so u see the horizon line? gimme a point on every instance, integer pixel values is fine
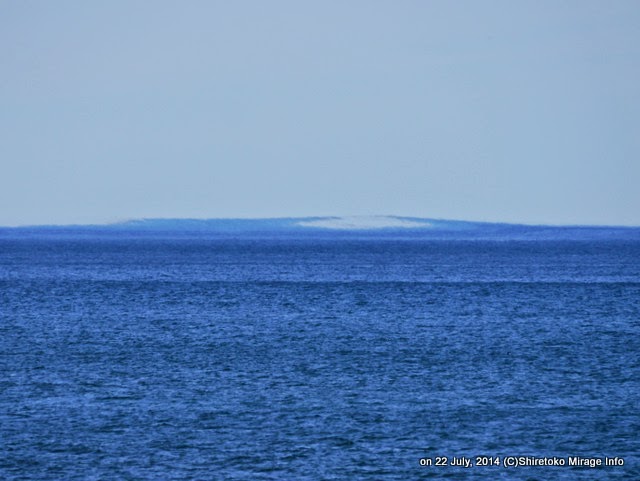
(305, 222)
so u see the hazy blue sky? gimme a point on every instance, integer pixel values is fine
(522, 111)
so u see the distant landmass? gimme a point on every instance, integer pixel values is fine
(328, 227)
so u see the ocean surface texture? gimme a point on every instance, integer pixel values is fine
(125, 358)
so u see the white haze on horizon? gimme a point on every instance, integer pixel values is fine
(364, 222)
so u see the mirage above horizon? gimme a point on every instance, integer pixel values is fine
(382, 226)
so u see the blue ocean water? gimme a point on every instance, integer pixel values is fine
(316, 359)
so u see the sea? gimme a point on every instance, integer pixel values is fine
(143, 357)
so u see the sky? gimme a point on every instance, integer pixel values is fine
(513, 111)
